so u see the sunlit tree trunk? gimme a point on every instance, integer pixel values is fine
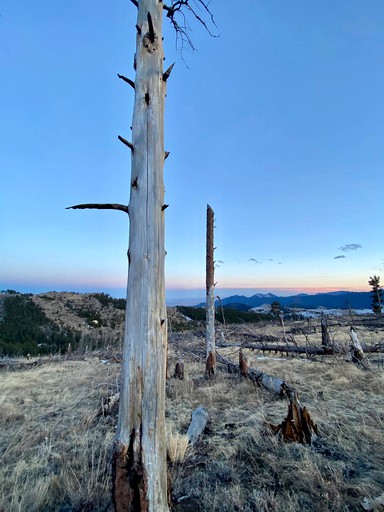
(140, 468)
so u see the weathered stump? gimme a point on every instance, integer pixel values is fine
(179, 371)
(297, 426)
(243, 365)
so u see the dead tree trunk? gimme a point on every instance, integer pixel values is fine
(325, 337)
(140, 466)
(210, 298)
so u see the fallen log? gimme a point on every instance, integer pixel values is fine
(198, 423)
(294, 349)
(270, 382)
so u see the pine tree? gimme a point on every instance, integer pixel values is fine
(377, 294)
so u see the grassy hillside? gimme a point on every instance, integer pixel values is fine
(55, 450)
(47, 323)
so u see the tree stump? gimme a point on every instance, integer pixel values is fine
(179, 371)
(298, 425)
(243, 364)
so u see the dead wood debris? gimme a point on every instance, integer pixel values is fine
(297, 426)
(269, 382)
(198, 423)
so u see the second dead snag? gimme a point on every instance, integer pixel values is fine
(210, 298)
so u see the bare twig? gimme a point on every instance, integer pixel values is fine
(176, 12)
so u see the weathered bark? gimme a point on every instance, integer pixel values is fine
(298, 425)
(269, 382)
(140, 469)
(198, 423)
(210, 298)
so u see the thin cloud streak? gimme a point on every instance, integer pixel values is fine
(350, 247)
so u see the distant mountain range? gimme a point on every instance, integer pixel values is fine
(331, 300)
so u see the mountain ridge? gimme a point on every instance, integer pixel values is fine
(328, 300)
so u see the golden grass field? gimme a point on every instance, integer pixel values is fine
(55, 450)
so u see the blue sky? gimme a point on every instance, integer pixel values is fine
(278, 124)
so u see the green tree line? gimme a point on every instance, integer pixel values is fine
(25, 329)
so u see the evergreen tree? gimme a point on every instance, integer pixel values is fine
(377, 294)
(275, 309)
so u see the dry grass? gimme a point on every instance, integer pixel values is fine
(55, 452)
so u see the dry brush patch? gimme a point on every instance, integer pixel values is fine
(55, 450)
(53, 454)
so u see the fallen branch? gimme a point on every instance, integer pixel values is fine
(273, 384)
(198, 423)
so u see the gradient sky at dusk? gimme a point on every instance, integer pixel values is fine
(278, 124)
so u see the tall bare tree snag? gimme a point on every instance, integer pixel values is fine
(210, 364)
(140, 482)
(140, 466)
